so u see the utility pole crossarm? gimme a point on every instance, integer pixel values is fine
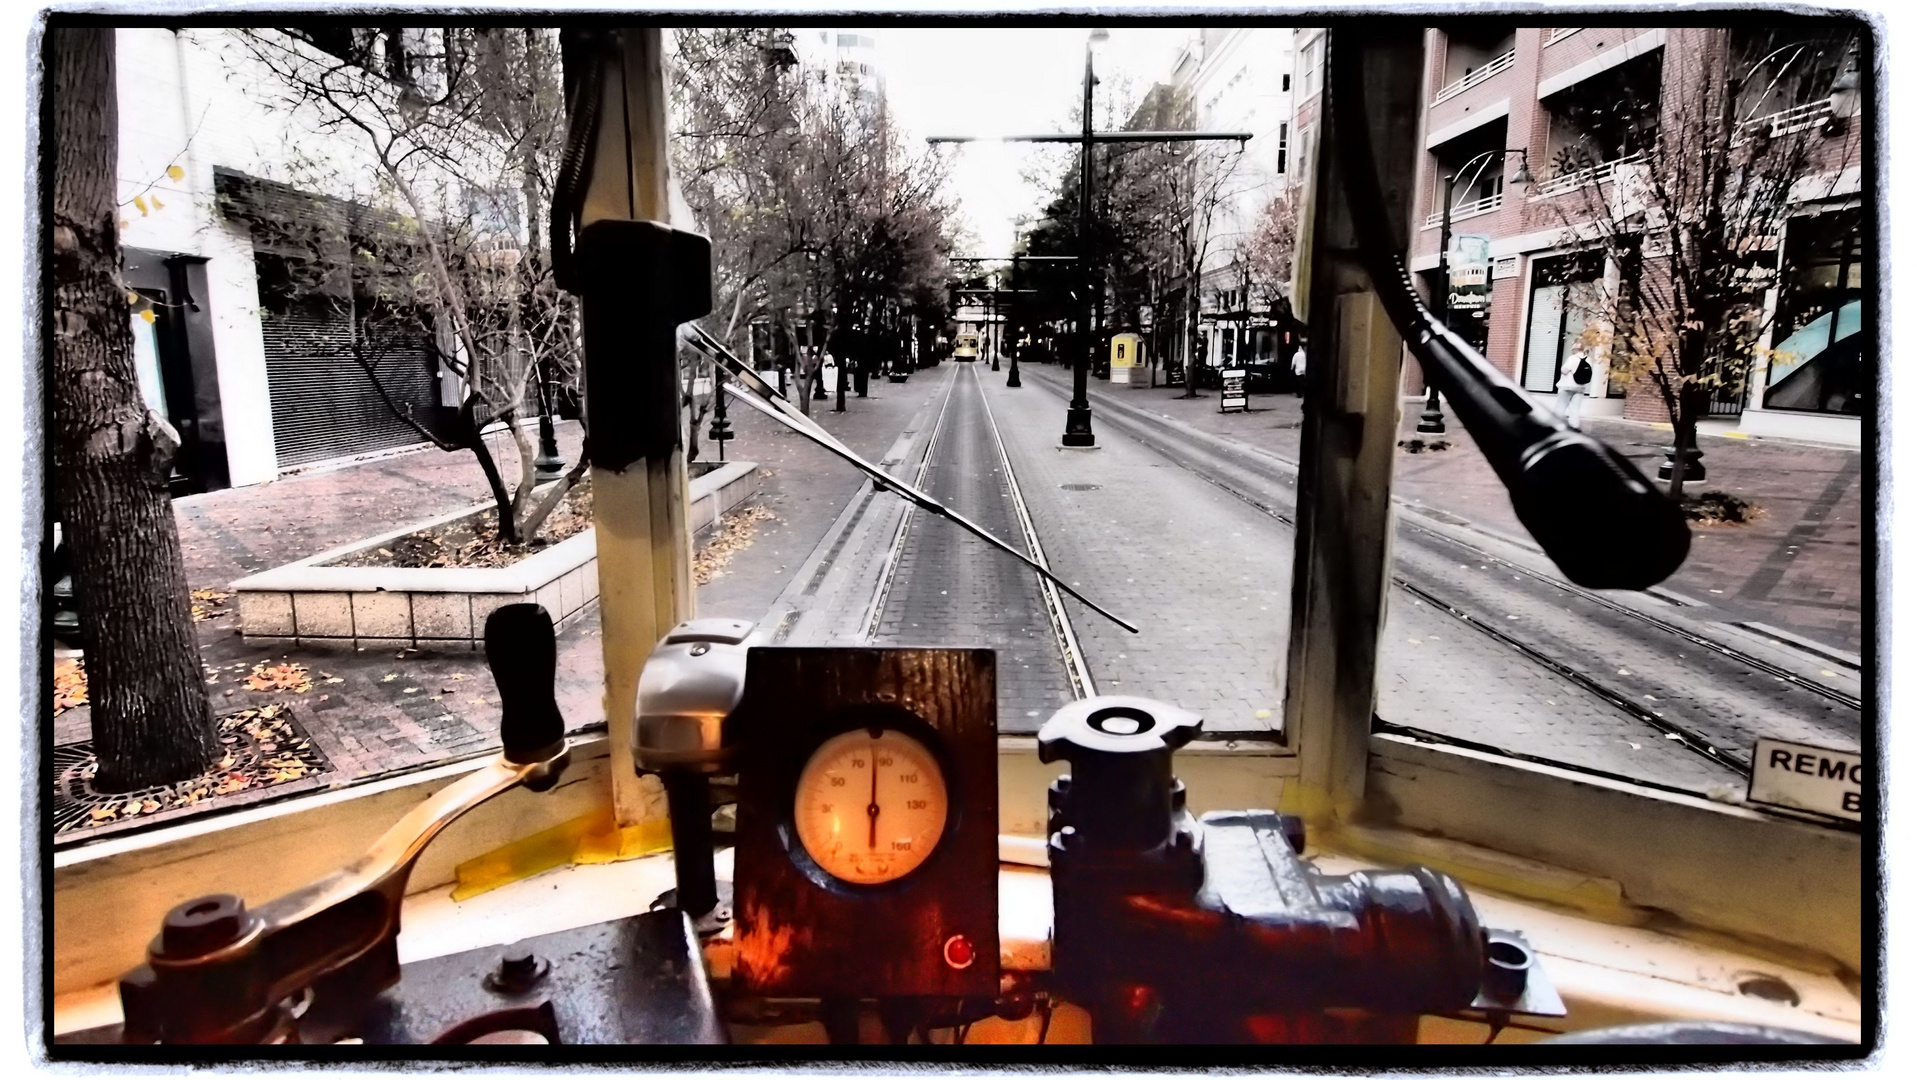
(1103, 137)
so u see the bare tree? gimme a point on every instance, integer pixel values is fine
(112, 455)
(812, 201)
(737, 98)
(462, 128)
(1687, 190)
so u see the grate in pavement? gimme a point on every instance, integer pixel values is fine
(1078, 487)
(259, 762)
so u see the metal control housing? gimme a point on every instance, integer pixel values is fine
(688, 687)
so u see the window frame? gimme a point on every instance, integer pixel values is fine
(1497, 822)
(1387, 795)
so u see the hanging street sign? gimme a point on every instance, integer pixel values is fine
(1470, 271)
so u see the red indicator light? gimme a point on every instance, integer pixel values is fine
(959, 952)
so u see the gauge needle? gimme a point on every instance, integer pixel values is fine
(872, 808)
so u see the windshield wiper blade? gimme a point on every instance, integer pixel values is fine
(750, 388)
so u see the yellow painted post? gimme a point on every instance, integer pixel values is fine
(1343, 556)
(639, 511)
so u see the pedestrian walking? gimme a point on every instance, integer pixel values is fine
(1574, 382)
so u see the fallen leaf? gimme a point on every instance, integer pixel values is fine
(291, 677)
(69, 685)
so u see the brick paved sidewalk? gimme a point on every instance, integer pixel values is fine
(391, 711)
(1798, 567)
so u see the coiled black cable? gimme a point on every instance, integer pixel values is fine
(582, 131)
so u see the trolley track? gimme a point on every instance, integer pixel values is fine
(939, 584)
(1266, 482)
(876, 609)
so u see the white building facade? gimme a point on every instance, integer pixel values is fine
(254, 381)
(1239, 80)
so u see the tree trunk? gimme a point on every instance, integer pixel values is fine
(111, 457)
(1193, 335)
(1683, 441)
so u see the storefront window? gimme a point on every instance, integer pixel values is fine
(1564, 295)
(1817, 363)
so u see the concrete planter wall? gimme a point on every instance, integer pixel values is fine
(312, 603)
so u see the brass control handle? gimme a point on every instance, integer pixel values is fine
(218, 973)
(522, 651)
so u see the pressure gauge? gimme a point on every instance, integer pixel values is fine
(870, 805)
(865, 854)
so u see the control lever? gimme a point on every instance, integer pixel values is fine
(1172, 928)
(687, 689)
(1594, 513)
(222, 973)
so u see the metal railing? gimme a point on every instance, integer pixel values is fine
(1559, 33)
(1596, 174)
(1475, 78)
(1779, 124)
(1471, 209)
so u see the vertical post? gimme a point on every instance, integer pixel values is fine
(1343, 552)
(840, 365)
(1078, 415)
(1011, 380)
(632, 378)
(721, 430)
(1431, 420)
(548, 466)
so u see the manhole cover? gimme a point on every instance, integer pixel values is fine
(259, 748)
(1078, 487)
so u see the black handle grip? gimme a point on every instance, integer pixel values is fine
(524, 655)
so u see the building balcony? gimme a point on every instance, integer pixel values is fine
(1812, 114)
(1559, 33)
(1477, 77)
(1487, 205)
(1601, 173)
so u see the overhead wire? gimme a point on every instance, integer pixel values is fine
(750, 388)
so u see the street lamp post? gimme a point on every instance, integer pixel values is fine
(721, 429)
(548, 466)
(1078, 415)
(1011, 380)
(992, 336)
(1431, 420)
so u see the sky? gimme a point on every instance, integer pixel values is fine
(988, 81)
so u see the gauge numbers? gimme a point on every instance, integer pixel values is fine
(870, 805)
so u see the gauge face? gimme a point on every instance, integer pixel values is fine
(870, 806)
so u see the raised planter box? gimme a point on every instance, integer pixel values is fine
(312, 603)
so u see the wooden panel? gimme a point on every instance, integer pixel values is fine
(802, 933)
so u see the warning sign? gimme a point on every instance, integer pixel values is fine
(1812, 778)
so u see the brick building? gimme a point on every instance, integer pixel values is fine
(1501, 96)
